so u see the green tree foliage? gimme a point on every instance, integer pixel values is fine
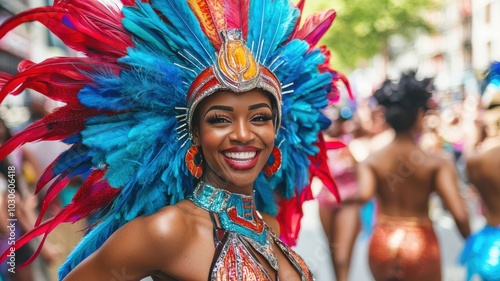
(362, 27)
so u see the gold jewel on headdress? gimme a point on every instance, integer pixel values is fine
(235, 70)
(236, 66)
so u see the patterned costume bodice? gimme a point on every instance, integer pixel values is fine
(240, 235)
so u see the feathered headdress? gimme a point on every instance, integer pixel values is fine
(128, 103)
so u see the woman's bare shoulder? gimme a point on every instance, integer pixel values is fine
(171, 225)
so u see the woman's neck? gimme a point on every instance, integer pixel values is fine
(225, 184)
(406, 136)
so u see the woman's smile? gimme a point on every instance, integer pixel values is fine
(241, 158)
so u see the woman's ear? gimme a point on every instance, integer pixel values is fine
(196, 136)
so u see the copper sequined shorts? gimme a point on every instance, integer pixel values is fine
(404, 249)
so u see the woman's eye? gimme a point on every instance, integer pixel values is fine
(262, 118)
(217, 119)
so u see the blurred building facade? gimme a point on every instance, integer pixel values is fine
(466, 40)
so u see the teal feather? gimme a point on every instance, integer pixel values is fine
(144, 24)
(290, 59)
(122, 167)
(108, 133)
(269, 26)
(187, 27)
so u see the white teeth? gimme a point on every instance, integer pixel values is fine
(240, 155)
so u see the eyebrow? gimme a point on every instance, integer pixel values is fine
(220, 107)
(229, 108)
(259, 105)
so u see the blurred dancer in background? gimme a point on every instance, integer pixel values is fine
(402, 176)
(482, 250)
(340, 223)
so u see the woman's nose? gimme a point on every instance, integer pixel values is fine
(242, 131)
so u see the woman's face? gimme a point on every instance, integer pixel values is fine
(236, 135)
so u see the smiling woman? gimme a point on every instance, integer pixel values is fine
(197, 121)
(236, 134)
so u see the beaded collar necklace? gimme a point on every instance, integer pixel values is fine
(237, 213)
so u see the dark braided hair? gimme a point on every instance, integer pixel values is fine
(403, 99)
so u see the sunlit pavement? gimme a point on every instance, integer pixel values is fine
(312, 246)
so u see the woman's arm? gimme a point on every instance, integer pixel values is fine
(135, 250)
(367, 184)
(447, 187)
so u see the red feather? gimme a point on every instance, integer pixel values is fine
(87, 27)
(52, 192)
(47, 176)
(291, 210)
(58, 125)
(319, 165)
(315, 27)
(299, 6)
(289, 217)
(334, 94)
(94, 191)
(58, 78)
(344, 80)
(334, 144)
(128, 2)
(237, 15)
(211, 19)
(4, 77)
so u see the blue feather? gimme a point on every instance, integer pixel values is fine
(270, 25)
(188, 29)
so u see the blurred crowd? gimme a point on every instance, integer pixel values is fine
(28, 164)
(450, 132)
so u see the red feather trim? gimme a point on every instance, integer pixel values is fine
(334, 94)
(299, 6)
(58, 125)
(4, 77)
(59, 79)
(88, 26)
(291, 212)
(52, 192)
(319, 165)
(237, 15)
(334, 144)
(315, 27)
(211, 18)
(94, 190)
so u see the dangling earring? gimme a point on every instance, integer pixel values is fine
(194, 161)
(273, 168)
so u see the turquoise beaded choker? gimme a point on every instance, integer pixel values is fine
(237, 213)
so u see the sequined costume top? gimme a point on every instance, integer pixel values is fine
(240, 235)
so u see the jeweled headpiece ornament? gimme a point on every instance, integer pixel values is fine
(148, 64)
(235, 69)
